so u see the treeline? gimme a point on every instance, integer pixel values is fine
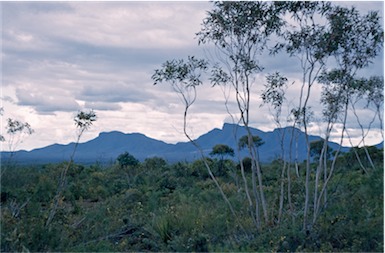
(156, 206)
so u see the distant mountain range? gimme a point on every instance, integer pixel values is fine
(109, 145)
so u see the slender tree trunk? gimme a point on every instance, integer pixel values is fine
(62, 181)
(255, 161)
(332, 168)
(307, 176)
(318, 174)
(307, 183)
(254, 184)
(281, 196)
(243, 103)
(364, 135)
(310, 81)
(381, 121)
(283, 162)
(291, 207)
(289, 166)
(242, 118)
(209, 169)
(356, 154)
(254, 213)
(326, 171)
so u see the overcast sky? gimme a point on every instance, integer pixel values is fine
(62, 57)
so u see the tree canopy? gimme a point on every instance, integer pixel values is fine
(255, 140)
(222, 150)
(126, 159)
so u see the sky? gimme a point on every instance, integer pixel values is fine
(62, 57)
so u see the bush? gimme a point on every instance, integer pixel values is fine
(126, 160)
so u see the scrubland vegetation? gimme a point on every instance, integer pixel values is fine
(332, 201)
(156, 206)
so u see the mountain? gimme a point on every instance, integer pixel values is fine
(380, 145)
(107, 146)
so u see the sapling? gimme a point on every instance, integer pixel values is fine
(184, 77)
(83, 121)
(240, 32)
(17, 131)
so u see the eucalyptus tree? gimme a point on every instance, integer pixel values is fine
(375, 97)
(83, 121)
(257, 141)
(274, 95)
(333, 99)
(305, 39)
(240, 32)
(361, 89)
(185, 76)
(369, 93)
(373, 89)
(222, 150)
(253, 145)
(313, 32)
(354, 41)
(17, 131)
(244, 141)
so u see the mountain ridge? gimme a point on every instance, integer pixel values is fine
(107, 146)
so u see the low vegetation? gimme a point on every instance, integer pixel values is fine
(157, 206)
(332, 201)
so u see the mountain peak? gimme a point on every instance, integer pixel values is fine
(110, 133)
(228, 125)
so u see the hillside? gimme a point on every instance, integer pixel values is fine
(108, 145)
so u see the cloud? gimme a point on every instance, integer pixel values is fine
(45, 102)
(61, 57)
(8, 99)
(117, 24)
(91, 49)
(103, 106)
(115, 92)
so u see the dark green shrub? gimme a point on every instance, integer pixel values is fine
(154, 163)
(126, 159)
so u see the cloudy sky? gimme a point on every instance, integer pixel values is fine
(62, 57)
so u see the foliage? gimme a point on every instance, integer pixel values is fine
(316, 149)
(222, 150)
(83, 120)
(275, 90)
(16, 132)
(203, 206)
(184, 77)
(170, 208)
(14, 126)
(244, 21)
(124, 160)
(313, 32)
(255, 140)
